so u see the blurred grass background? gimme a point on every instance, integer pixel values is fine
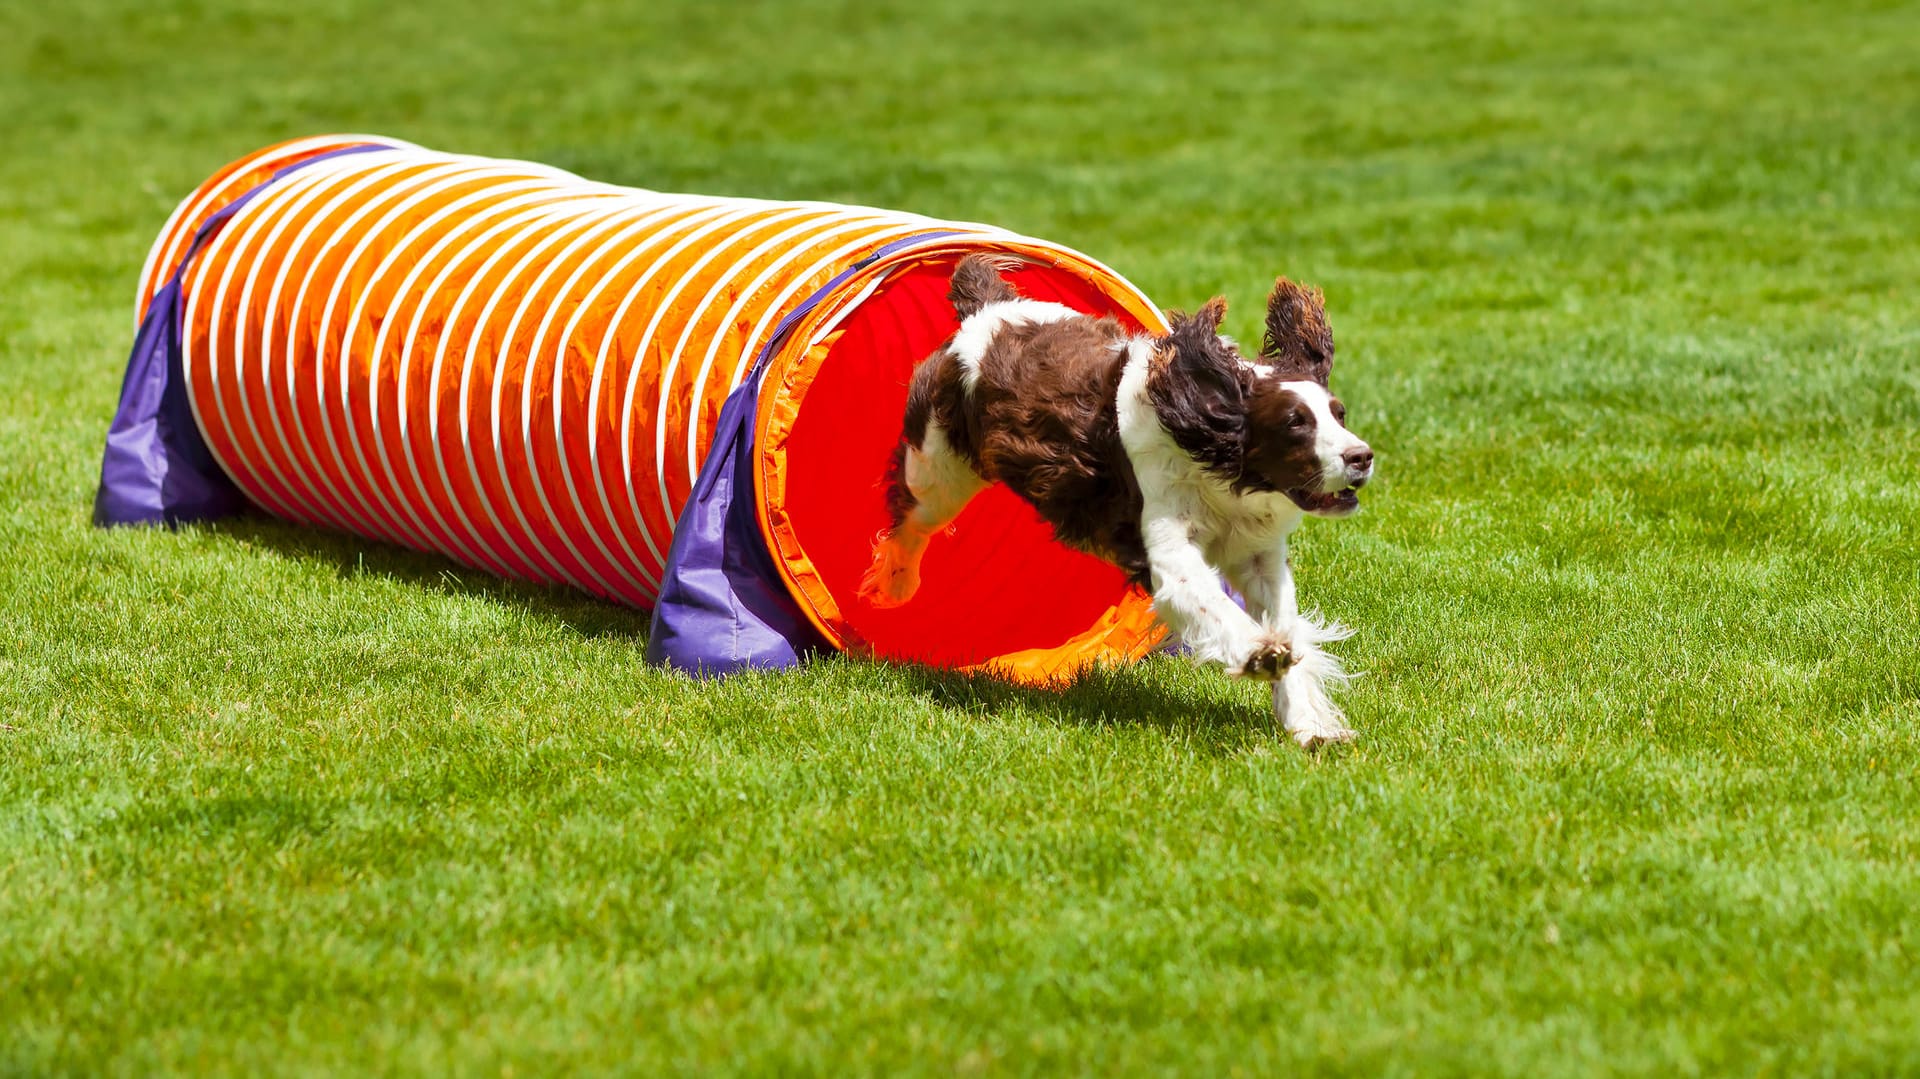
(1625, 299)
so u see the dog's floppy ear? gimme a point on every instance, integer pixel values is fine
(1299, 342)
(977, 283)
(1198, 388)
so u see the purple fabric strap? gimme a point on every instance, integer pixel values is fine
(157, 468)
(724, 607)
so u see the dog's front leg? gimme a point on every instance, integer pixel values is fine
(1301, 700)
(1188, 598)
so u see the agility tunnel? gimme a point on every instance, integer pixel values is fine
(680, 403)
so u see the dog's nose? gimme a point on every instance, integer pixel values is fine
(1359, 459)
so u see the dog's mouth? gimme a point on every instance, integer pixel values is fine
(1326, 503)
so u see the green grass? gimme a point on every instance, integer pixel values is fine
(1626, 299)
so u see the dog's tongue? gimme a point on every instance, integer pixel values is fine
(1319, 501)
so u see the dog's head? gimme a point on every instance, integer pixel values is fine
(1268, 424)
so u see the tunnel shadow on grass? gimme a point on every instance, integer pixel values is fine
(353, 556)
(1101, 697)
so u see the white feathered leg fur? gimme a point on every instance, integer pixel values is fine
(1302, 701)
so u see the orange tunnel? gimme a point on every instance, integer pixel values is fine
(521, 370)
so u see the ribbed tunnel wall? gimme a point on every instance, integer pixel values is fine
(521, 370)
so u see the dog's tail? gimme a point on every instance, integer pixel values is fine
(977, 283)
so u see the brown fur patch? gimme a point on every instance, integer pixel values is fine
(1042, 420)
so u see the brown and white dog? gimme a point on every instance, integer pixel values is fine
(1174, 457)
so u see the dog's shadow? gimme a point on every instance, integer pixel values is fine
(1100, 697)
(1131, 696)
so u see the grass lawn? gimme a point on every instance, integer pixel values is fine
(1626, 299)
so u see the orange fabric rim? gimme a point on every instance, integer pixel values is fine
(999, 595)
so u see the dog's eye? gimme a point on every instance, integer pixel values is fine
(1299, 418)
(1339, 411)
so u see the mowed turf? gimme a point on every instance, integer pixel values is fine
(1625, 299)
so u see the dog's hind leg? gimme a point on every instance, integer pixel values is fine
(929, 483)
(932, 484)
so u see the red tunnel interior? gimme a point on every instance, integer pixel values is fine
(997, 583)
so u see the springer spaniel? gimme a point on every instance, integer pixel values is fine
(1175, 458)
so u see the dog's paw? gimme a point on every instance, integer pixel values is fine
(1315, 739)
(1268, 662)
(1310, 717)
(891, 580)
